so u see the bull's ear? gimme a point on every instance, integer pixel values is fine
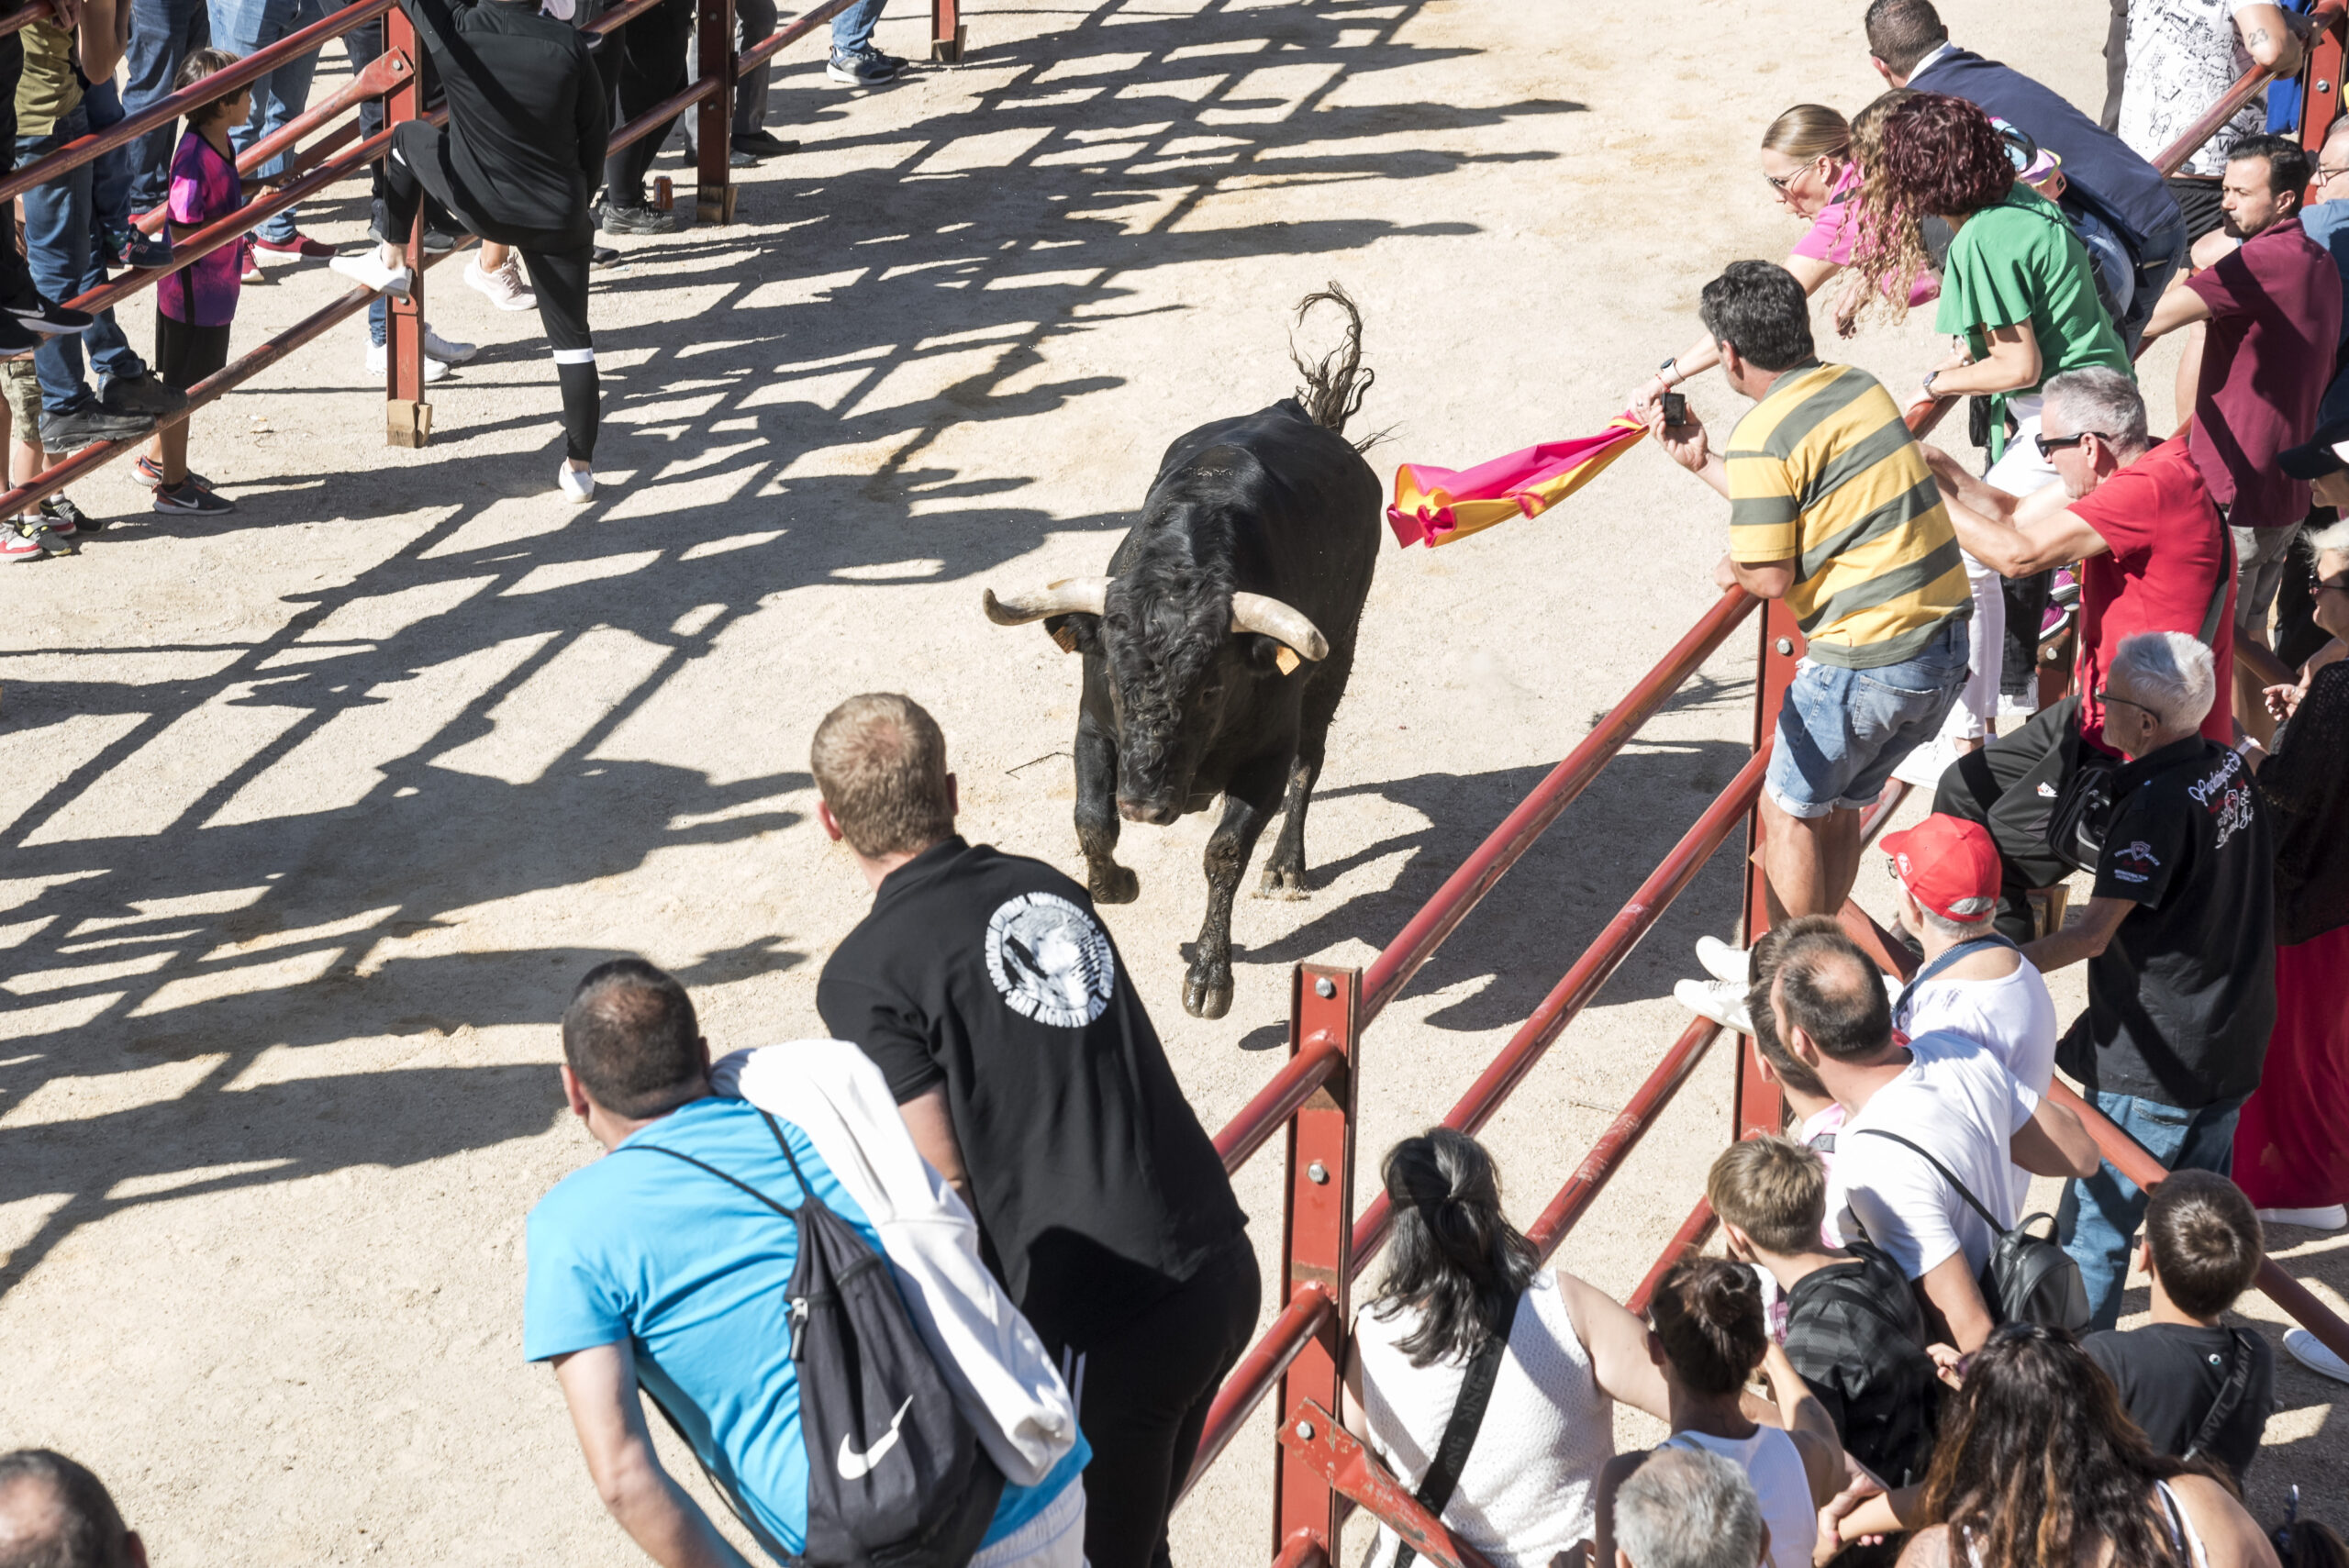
(1266, 655)
(1075, 633)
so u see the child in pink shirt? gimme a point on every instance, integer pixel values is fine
(195, 304)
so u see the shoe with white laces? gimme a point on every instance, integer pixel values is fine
(1723, 1001)
(1723, 961)
(367, 270)
(436, 346)
(2314, 1354)
(1924, 766)
(578, 483)
(379, 360)
(2330, 1217)
(502, 286)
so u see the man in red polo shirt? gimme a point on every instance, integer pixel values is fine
(2154, 554)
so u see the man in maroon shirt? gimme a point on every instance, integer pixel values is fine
(2154, 555)
(2273, 306)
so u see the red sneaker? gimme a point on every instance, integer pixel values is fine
(300, 245)
(249, 270)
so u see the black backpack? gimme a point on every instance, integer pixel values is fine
(2029, 1278)
(895, 1476)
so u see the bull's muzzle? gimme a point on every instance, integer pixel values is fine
(1157, 813)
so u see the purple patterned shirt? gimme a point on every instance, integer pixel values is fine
(205, 188)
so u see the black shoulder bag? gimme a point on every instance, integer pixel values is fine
(2029, 1278)
(2230, 1400)
(2083, 808)
(1442, 1478)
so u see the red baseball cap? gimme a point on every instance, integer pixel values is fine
(1949, 865)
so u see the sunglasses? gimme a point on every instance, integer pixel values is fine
(2050, 445)
(2332, 585)
(1781, 185)
(2104, 695)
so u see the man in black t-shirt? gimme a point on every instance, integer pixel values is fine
(2179, 940)
(997, 1008)
(2195, 1387)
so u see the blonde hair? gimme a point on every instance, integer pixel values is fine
(1772, 1188)
(1890, 251)
(880, 763)
(1809, 131)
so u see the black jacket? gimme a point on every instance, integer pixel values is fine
(527, 116)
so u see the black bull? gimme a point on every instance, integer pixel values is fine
(1217, 650)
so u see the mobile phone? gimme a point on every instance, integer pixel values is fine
(1676, 408)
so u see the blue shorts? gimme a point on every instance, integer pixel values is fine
(1841, 732)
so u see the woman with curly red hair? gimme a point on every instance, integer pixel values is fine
(2020, 290)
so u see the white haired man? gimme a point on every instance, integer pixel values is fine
(1688, 1508)
(2179, 940)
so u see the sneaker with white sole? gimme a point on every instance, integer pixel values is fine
(578, 485)
(18, 542)
(502, 286)
(2330, 1217)
(1723, 1001)
(1925, 765)
(1723, 961)
(436, 346)
(2315, 1354)
(379, 362)
(367, 270)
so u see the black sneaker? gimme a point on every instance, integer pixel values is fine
(437, 243)
(140, 393)
(187, 498)
(89, 425)
(43, 316)
(147, 250)
(761, 143)
(642, 219)
(602, 256)
(865, 67)
(61, 515)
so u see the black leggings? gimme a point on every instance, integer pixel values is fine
(651, 65)
(1143, 1398)
(558, 271)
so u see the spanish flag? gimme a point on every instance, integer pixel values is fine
(1437, 505)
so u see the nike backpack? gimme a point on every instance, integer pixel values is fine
(895, 1476)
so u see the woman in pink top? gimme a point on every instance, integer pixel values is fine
(1806, 160)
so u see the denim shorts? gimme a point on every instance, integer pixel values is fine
(1841, 732)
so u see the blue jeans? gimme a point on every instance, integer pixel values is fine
(163, 33)
(852, 25)
(2098, 1217)
(242, 26)
(60, 220)
(110, 171)
(1841, 732)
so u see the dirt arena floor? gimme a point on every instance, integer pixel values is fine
(314, 815)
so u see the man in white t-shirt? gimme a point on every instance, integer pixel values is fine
(2183, 56)
(1941, 1092)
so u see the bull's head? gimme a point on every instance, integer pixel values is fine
(1170, 678)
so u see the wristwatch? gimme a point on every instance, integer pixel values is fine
(1929, 382)
(1664, 371)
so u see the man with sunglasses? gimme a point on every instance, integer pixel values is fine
(2153, 557)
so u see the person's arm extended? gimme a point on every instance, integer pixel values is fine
(100, 37)
(2074, 944)
(1618, 1343)
(1949, 1286)
(2012, 364)
(2178, 306)
(1702, 355)
(1807, 1422)
(1886, 1512)
(599, 1386)
(2268, 37)
(2054, 1142)
(932, 1125)
(2015, 538)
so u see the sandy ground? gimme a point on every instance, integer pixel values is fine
(314, 816)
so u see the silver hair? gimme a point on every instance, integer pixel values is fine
(1688, 1509)
(2170, 673)
(2332, 536)
(2340, 128)
(2105, 401)
(1960, 930)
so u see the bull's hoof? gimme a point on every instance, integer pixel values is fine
(1112, 884)
(1284, 881)
(1206, 998)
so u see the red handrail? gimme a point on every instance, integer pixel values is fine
(1309, 1312)
(1687, 1238)
(1278, 1100)
(1622, 1136)
(766, 48)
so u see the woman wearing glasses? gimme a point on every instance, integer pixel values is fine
(2037, 1464)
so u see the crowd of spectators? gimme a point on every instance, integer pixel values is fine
(1887, 1357)
(522, 165)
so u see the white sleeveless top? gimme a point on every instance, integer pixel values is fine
(1525, 1493)
(1774, 1464)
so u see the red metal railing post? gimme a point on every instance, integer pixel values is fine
(1758, 1105)
(1316, 1231)
(408, 417)
(714, 136)
(946, 31)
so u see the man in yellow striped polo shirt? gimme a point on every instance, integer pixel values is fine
(1833, 509)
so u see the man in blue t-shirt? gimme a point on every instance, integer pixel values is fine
(648, 1271)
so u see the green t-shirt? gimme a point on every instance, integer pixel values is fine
(2019, 261)
(51, 87)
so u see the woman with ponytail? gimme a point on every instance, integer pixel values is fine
(1459, 1275)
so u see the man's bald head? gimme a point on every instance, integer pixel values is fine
(1829, 991)
(632, 1039)
(55, 1514)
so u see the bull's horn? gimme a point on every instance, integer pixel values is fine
(1268, 615)
(1071, 595)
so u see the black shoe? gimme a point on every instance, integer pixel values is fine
(642, 219)
(866, 67)
(148, 250)
(42, 316)
(761, 143)
(601, 255)
(63, 515)
(89, 425)
(140, 393)
(437, 243)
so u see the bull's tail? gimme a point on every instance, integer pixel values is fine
(1334, 388)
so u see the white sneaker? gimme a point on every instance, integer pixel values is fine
(2313, 1353)
(2023, 706)
(1723, 1001)
(436, 346)
(578, 483)
(2332, 1217)
(1924, 766)
(503, 286)
(379, 359)
(1723, 961)
(368, 271)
